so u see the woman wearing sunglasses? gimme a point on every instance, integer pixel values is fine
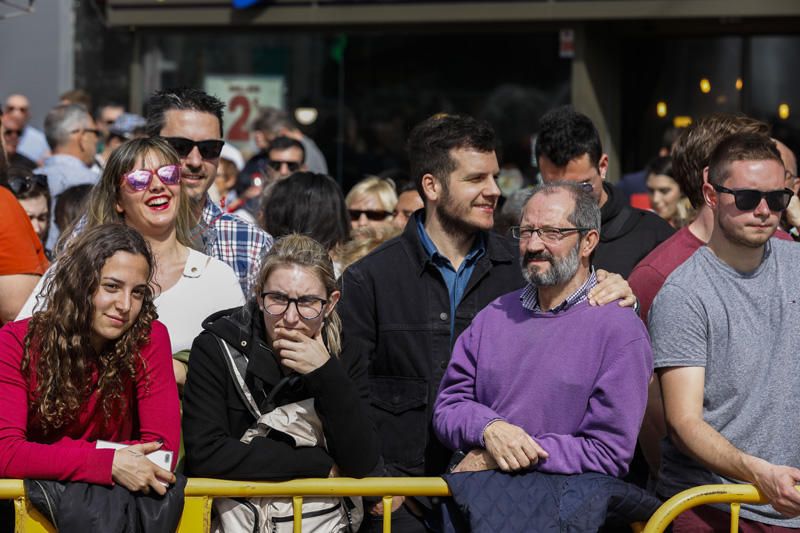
(141, 187)
(280, 349)
(93, 365)
(371, 203)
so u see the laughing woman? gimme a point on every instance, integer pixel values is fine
(141, 188)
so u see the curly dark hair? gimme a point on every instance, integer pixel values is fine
(566, 134)
(59, 357)
(181, 99)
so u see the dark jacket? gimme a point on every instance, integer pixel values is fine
(395, 311)
(627, 234)
(215, 417)
(535, 501)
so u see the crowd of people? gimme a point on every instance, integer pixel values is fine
(171, 308)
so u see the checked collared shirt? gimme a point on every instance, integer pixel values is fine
(530, 296)
(233, 241)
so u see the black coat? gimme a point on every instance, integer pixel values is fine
(215, 417)
(626, 234)
(395, 311)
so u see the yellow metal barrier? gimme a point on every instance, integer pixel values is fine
(704, 495)
(200, 493)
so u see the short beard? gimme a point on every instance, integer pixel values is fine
(732, 236)
(559, 273)
(452, 224)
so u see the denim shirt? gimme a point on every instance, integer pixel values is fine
(456, 280)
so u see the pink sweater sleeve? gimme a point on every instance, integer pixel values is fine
(65, 459)
(157, 394)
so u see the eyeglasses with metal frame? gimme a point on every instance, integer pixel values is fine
(547, 234)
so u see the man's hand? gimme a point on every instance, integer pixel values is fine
(777, 483)
(611, 287)
(476, 461)
(511, 447)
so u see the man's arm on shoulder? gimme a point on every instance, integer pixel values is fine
(611, 287)
(682, 391)
(15, 288)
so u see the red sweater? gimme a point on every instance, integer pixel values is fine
(153, 413)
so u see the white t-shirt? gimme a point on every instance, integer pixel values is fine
(207, 285)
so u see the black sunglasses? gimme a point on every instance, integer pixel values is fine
(355, 214)
(20, 185)
(276, 165)
(748, 199)
(209, 149)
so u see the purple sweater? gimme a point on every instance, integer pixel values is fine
(576, 381)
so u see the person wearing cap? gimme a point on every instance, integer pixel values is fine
(126, 126)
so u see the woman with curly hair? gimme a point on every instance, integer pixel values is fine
(141, 187)
(93, 365)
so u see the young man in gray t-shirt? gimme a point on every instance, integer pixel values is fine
(723, 331)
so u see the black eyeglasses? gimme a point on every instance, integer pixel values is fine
(308, 307)
(551, 235)
(9, 133)
(355, 214)
(748, 199)
(209, 149)
(275, 165)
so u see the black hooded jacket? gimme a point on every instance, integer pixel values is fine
(627, 234)
(215, 417)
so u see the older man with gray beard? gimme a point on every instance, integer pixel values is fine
(541, 378)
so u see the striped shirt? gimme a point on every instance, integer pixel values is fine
(530, 296)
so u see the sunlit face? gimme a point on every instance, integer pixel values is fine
(18, 107)
(549, 263)
(118, 298)
(748, 228)
(467, 202)
(295, 281)
(88, 138)
(664, 193)
(370, 205)
(197, 174)
(407, 203)
(579, 170)
(12, 131)
(39, 213)
(108, 115)
(154, 211)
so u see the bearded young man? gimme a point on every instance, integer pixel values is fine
(404, 305)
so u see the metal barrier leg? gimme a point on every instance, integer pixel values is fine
(387, 514)
(735, 517)
(196, 515)
(297, 508)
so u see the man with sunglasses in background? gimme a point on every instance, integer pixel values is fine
(191, 122)
(568, 148)
(73, 137)
(32, 143)
(285, 156)
(723, 331)
(12, 131)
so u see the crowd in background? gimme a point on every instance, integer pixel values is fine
(421, 313)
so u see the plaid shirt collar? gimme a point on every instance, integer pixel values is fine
(530, 296)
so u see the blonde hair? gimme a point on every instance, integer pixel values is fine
(105, 195)
(366, 240)
(381, 188)
(303, 251)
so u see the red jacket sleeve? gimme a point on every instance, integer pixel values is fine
(65, 459)
(156, 393)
